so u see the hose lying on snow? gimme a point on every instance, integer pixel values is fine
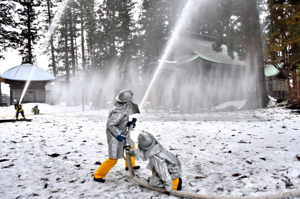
(195, 195)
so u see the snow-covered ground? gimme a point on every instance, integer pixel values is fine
(242, 153)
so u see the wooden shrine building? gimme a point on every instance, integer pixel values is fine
(195, 76)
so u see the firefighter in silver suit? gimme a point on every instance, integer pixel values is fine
(165, 166)
(116, 127)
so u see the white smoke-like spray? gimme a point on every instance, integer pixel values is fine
(185, 15)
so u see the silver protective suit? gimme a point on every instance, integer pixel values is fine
(116, 125)
(165, 165)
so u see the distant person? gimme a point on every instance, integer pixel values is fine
(35, 110)
(116, 127)
(165, 166)
(19, 109)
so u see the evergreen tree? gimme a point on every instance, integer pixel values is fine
(240, 31)
(72, 22)
(50, 5)
(283, 42)
(212, 19)
(155, 28)
(117, 36)
(8, 36)
(67, 48)
(62, 48)
(63, 51)
(29, 26)
(127, 29)
(127, 45)
(88, 25)
(110, 28)
(83, 10)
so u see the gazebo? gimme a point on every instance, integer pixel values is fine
(18, 76)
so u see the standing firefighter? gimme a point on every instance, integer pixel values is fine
(116, 129)
(19, 109)
(165, 166)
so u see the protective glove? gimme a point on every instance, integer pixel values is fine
(132, 152)
(120, 137)
(129, 123)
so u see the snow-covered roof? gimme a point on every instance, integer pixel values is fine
(203, 48)
(271, 70)
(23, 72)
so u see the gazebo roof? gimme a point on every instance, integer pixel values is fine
(23, 72)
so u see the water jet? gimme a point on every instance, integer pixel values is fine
(174, 36)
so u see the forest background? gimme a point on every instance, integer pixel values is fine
(94, 37)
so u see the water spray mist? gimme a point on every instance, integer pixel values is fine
(185, 14)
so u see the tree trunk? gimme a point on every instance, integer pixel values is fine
(67, 63)
(298, 84)
(93, 61)
(0, 94)
(258, 97)
(295, 95)
(82, 36)
(29, 32)
(288, 85)
(72, 33)
(51, 41)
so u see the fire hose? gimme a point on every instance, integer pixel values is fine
(184, 194)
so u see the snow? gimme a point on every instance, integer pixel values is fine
(237, 104)
(242, 153)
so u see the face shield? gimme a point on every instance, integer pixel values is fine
(129, 107)
(132, 108)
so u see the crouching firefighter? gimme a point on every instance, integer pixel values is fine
(19, 109)
(116, 129)
(165, 166)
(35, 110)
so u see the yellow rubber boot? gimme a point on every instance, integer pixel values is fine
(177, 183)
(105, 167)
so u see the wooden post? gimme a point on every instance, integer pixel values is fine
(0, 92)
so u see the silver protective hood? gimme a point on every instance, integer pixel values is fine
(128, 108)
(125, 96)
(146, 140)
(165, 165)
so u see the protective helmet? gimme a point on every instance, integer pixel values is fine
(125, 96)
(15, 101)
(146, 140)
